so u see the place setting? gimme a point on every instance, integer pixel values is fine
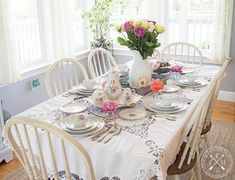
(86, 88)
(81, 124)
(187, 81)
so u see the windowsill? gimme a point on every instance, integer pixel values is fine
(42, 68)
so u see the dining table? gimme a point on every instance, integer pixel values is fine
(143, 148)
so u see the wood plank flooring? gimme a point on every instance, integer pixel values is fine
(223, 111)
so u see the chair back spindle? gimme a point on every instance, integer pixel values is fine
(182, 52)
(22, 132)
(63, 75)
(100, 61)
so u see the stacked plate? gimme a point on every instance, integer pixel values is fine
(81, 89)
(72, 108)
(168, 106)
(191, 82)
(85, 127)
(170, 88)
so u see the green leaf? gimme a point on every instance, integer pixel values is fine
(122, 41)
(149, 44)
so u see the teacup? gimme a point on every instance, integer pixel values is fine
(77, 120)
(128, 95)
(99, 97)
(89, 84)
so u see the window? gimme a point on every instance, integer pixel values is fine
(132, 10)
(191, 21)
(29, 29)
(24, 31)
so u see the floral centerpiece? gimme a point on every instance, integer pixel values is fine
(142, 38)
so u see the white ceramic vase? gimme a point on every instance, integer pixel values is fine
(139, 71)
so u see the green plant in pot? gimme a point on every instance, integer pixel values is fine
(99, 21)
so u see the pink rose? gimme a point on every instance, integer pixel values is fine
(177, 68)
(109, 106)
(139, 31)
(127, 26)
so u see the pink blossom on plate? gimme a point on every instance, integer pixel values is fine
(177, 68)
(109, 106)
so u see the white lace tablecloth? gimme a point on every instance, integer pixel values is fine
(141, 151)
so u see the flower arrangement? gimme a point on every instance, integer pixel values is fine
(177, 69)
(140, 36)
(109, 106)
(156, 85)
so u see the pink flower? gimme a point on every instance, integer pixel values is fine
(127, 26)
(81, 117)
(154, 22)
(177, 68)
(104, 83)
(109, 106)
(139, 31)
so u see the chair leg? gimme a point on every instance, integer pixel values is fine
(193, 177)
(206, 140)
(198, 166)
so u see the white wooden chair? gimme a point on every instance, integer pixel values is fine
(189, 156)
(22, 132)
(182, 52)
(100, 61)
(63, 75)
(220, 76)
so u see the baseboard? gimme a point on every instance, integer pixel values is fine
(226, 96)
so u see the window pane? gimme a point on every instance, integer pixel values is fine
(76, 9)
(175, 7)
(133, 10)
(24, 31)
(201, 7)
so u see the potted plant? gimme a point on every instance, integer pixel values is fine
(142, 38)
(99, 22)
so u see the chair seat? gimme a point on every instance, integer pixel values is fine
(173, 169)
(207, 129)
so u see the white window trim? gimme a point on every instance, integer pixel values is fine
(42, 68)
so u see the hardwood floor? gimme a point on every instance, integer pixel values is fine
(223, 110)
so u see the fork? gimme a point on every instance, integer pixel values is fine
(115, 133)
(111, 130)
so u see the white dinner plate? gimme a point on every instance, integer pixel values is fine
(73, 122)
(73, 108)
(150, 107)
(170, 88)
(132, 114)
(167, 104)
(201, 82)
(98, 126)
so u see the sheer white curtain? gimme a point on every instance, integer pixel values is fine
(9, 71)
(61, 26)
(222, 30)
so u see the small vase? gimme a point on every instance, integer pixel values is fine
(140, 73)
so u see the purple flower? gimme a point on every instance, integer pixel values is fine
(139, 31)
(177, 68)
(127, 26)
(109, 106)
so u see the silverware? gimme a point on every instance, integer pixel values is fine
(112, 129)
(166, 117)
(118, 131)
(97, 135)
